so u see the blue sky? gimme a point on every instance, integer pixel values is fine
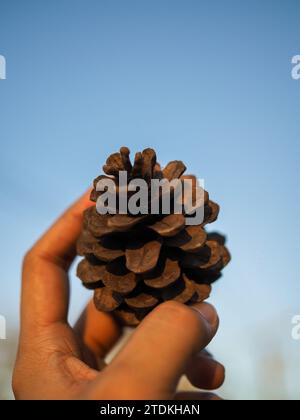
(208, 82)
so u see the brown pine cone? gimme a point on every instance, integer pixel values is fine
(135, 262)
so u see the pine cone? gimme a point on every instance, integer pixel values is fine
(135, 262)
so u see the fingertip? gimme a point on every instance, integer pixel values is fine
(205, 373)
(198, 322)
(221, 376)
(209, 314)
(85, 200)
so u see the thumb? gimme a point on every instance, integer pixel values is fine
(156, 356)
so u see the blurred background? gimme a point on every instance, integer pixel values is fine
(208, 82)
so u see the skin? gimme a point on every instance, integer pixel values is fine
(56, 361)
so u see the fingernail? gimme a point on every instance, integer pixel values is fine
(208, 312)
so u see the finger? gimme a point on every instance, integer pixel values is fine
(98, 331)
(158, 352)
(206, 373)
(58, 244)
(197, 396)
(45, 288)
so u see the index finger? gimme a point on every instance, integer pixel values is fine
(58, 244)
(45, 287)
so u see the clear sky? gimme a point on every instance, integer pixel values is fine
(208, 82)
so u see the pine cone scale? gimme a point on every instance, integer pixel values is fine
(164, 276)
(142, 257)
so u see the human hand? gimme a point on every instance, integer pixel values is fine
(56, 361)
